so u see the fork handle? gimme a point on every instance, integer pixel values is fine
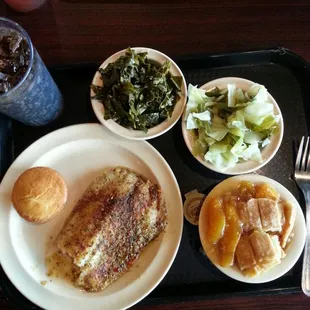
(305, 281)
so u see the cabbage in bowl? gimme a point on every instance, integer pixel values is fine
(230, 125)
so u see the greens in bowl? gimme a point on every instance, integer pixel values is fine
(137, 92)
(227, 126)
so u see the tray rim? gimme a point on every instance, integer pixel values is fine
(277, 50)
(303, 73)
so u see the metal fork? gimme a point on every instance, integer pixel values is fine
(302, 177)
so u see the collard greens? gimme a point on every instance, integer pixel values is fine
(137, 93)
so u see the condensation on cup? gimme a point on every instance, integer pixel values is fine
(28, 92)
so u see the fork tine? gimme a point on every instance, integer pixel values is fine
(308, 161)
(304, 156)
(299, 154)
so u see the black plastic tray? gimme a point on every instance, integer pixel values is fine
(192, 276)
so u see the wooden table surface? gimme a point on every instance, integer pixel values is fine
(75, 31)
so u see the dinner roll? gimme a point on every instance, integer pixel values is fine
(39, 194)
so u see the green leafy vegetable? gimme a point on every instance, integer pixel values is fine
(137, 93)
(230, 125)
(198, 101)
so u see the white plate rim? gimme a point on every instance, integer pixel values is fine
(299, 240)
(160, 128)
(234, 170)
(68, 134)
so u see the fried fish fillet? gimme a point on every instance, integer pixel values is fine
(118, 215)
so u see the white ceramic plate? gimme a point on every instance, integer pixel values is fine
(80, 153)
(268, 151)
(298, 241)
(152, 132)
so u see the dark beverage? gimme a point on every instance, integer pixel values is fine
(27, 91)
(14, 59)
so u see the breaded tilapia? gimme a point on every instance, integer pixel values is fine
(118, 215)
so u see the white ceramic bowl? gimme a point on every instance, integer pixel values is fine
(295, 248)
(268, 151)
(160, 128)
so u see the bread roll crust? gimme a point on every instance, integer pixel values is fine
(39, 194)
